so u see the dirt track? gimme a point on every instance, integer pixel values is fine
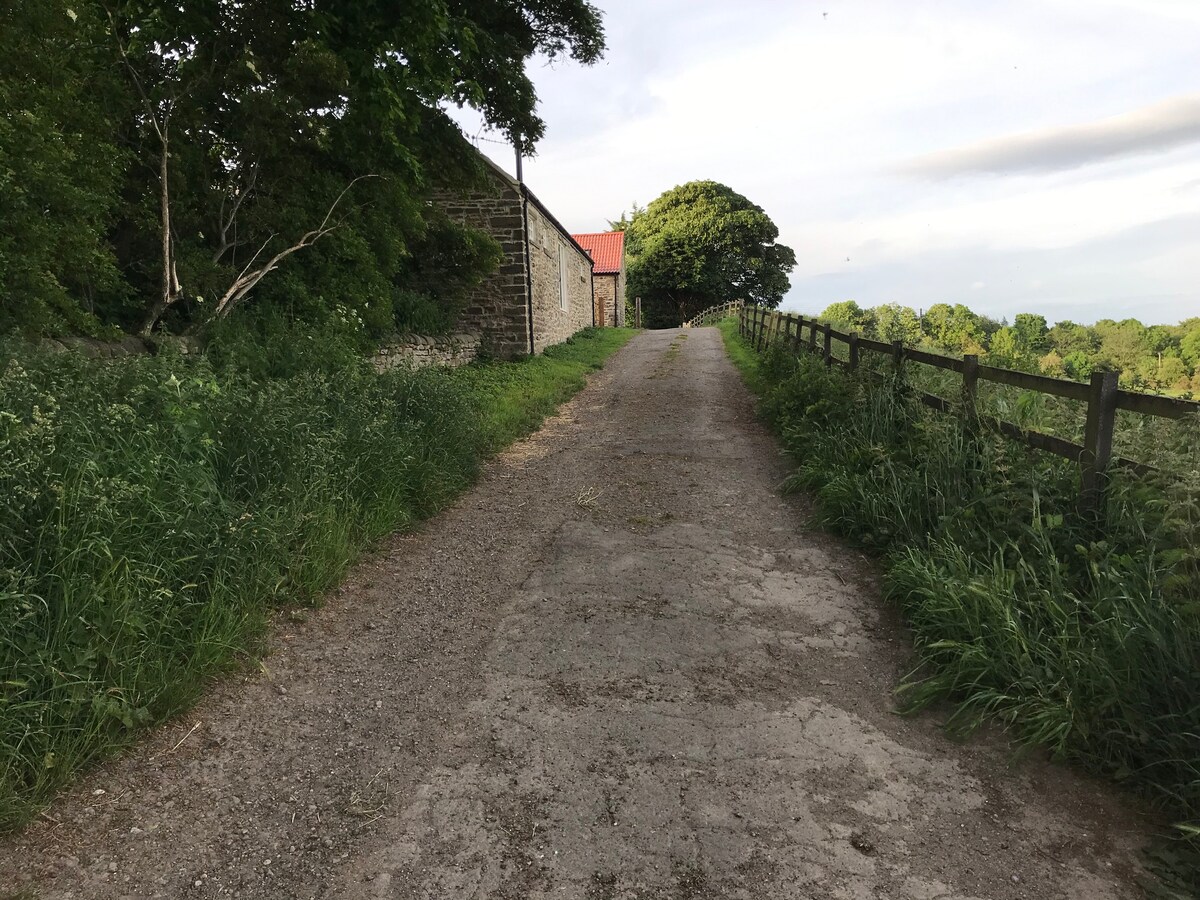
(621, 667)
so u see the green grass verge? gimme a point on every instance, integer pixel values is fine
(153, 511)
(1079, 635)
(514, 399)
(743, 356)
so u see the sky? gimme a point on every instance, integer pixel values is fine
(1017, 156)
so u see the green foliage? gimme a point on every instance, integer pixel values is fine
(628, 217)
(894, 322)
(699, 245)
(1158, 357)
(60, 169)
(1078, 635)
(847, 315)
(437, 274)
(154, 510)
(263, 115)
(952, 329)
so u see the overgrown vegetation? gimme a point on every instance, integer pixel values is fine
(1078, 635)
(155, 510)
(166, 164)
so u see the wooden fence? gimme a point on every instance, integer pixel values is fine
(714, 314)
(764, 327)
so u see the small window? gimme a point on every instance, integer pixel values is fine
(562, 277)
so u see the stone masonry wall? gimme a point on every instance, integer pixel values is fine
(497, 309)
(417, 351)
(619, 299)
(607, 288)
(548, 250)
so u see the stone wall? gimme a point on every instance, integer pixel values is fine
(417, 351)
(129, 345)
(497, 309)
(608, 287)
(562, 282)
(619, 300)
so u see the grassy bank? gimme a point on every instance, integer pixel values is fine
(154, 510)
(1079, 636)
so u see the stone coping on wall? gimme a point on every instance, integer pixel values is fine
(411, 350)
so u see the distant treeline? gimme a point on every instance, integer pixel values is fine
(1156, 357)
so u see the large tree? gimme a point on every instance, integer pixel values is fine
(701, 244)
(208, 144)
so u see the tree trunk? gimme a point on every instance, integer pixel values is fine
(171, 288)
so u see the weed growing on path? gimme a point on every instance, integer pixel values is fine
(1077, 635)
(153, 511)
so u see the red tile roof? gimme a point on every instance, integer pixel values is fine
(606, 248)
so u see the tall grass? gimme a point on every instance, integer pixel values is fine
(154, 510)
(1078, 635)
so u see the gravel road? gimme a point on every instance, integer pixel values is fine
(621, 667)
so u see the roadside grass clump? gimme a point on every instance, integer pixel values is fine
(155, 510)
(1077, 634)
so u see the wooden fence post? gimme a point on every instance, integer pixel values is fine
(853, 350)
(828, 354)
(812, 337)
(796, 340)
(1097, 440)
(898, 354)
(637, 312)
(970, 374)
(741, 323)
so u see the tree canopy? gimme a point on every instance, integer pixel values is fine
(162, 159)
(701, 244)
(1157, 357)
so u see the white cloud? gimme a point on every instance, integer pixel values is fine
(1151, 129)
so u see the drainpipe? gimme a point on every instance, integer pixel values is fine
(528, 267)
(525, 242)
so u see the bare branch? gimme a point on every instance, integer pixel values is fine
(226, 222)
(137, 82)
(250, 277)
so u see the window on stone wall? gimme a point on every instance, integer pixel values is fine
(562, 277)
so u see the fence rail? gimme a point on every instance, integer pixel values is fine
(715, 314)
(764, 327)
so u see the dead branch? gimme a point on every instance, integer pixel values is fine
(249, 277)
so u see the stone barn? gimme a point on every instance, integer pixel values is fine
(542, 292)
(607, 249)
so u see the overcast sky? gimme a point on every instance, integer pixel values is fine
(1030, 155)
